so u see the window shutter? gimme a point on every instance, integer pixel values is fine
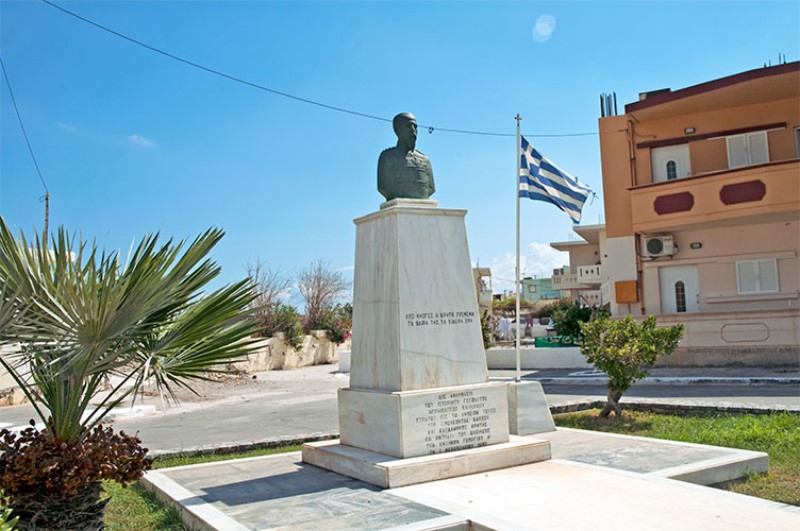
(759, 151)
(737, 151)
(768, 275)
(746, 276)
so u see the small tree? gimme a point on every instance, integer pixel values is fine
(321, 288)
(623, 350)
(271, 285)
(268, 308)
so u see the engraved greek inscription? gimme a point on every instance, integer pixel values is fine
(439, 319)
(456, 420)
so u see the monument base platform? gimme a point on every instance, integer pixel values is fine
(406, 424)
(389, 472)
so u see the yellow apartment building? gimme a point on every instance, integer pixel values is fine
(702, 216)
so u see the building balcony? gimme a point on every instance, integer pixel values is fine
(589, 274)
(763, 191)
(566, 281)
(485, 298)
(590, 297)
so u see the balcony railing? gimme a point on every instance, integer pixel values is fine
(591, 297)
(565, 282)
(589, 274)
(485, 298)
(764, 190)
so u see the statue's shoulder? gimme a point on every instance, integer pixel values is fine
(388, 154)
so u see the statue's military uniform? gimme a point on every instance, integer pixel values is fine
(405, 174)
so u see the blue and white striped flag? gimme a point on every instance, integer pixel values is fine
(541, 180)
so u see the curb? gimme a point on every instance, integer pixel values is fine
(230, 448)
(672, 380)
(667, 408)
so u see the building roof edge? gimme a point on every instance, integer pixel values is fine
(708, 86)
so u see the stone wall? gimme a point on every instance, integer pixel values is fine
(276, 354)
(272, 354)
(10, 394)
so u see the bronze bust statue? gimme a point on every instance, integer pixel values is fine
(402, 170)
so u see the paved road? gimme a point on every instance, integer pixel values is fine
(311, 409)
(302, 402)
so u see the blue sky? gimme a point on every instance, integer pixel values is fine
(130, 141)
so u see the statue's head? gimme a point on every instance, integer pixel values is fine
(405, 127)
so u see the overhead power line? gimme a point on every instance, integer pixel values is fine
(46, 197)
(22, 125)
(258, 86)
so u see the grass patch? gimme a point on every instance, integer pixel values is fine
(777, 434)
(183, 460)
(135, 509)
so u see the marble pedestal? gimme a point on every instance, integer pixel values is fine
(415, 312)
(528, 412)
(419, 406)
(432, 421)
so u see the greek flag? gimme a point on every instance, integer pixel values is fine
(541, 180)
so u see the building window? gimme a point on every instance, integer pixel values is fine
(797, 141)
(680, 297)
(531, 289)
(747, 149)
(672, 170)
(757, 276)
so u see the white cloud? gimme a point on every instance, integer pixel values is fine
(537, 260)
(141, 140)
(544, 28)
(69, 128)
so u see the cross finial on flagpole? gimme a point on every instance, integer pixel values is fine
(518, 118)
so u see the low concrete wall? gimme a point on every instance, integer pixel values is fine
(272, 354)
(537, 358)
(765, 338)
(276, 354)
(732, 357)
(10, 394)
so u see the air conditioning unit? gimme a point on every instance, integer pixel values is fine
(655, 246)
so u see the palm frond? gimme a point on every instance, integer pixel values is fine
(82, 315)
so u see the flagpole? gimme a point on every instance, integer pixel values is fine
(516, 193)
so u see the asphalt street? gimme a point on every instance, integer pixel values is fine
(301, 403)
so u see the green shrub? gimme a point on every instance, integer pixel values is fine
(7, 522)
(337, 322)
(569, 316)
(486, 329)
(281, 318)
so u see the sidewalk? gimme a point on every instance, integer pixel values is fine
(282, 492)
(669, 375)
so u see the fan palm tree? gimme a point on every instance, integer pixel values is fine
(79, 315)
